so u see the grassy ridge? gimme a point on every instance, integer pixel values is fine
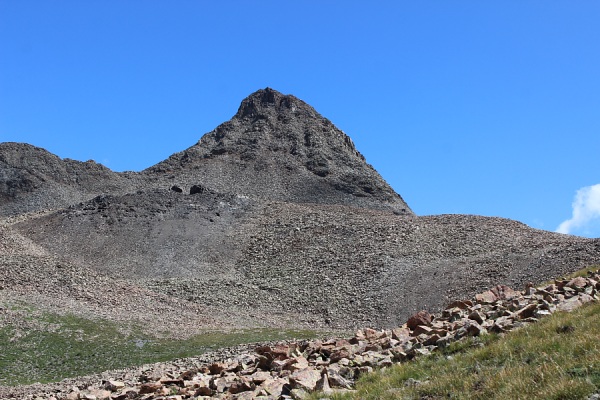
(556, 358)
(69, 346)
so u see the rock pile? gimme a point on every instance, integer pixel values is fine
(292, 370)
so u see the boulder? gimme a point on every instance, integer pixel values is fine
(486, 297)
(504, 292)
(198, 189)
(305, 379)
(420, 318)
(577, 283)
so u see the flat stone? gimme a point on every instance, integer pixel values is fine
(577, 283)
(241, 385)
(305, 379)
(401, 334)
(422, 329)
(337, 355)
(569, 305)
(486, 297)
(504, 292)
(297, 363)
(527, 311)
(460, 304)
(259, 376)
(274, 387)
(150, 387)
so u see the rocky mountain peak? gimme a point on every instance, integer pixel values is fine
(277, 146)
(269, 102)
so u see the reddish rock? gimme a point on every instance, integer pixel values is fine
(277, 352)
(274, 387)
(217, 368)
(245, 396)
(442, 331)
(401, 334)
(259, 377)
(460, 304)
(296, 363)
(486, 297)
(337, 355)
(476, 316)
(305, 379)
(241, 385)
(527, 312)
(343, 343)
(372, 334)
(474, 329)
(150, 387)
(504, 292)
(203, 391)
(422, 329)
(577, 283)
(420, 318)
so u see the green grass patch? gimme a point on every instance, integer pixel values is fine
(556, 358)
(62, 346)
(583, 272)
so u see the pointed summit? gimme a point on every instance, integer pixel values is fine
(268, 102)
(278, 147)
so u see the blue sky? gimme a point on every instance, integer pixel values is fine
(489, 108)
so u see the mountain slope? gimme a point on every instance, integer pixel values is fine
(286, 222)
(330, 265)
(33, 179)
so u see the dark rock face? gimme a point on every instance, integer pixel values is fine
(32, 179)
(195, 189)
(278, 147)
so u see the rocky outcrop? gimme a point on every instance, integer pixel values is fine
(278, 147)
(294, 369)
(33, 179)
(275, 147)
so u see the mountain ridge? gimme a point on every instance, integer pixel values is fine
(276, 147)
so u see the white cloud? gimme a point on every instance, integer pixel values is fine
(586, 209)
